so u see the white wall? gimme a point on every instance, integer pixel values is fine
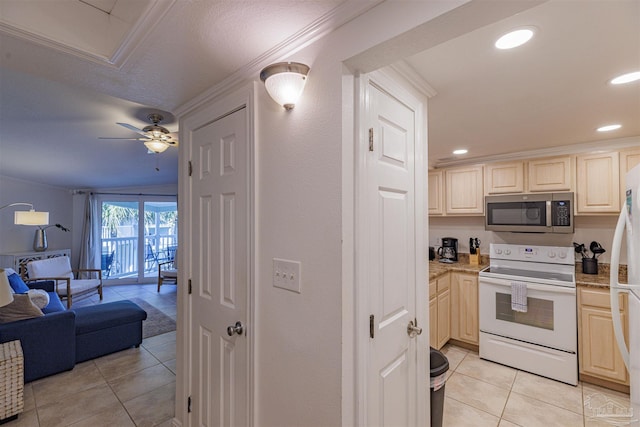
(57, 201)
(300, 208)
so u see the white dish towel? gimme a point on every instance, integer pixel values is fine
(519, 296)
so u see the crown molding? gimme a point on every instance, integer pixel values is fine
(324, 25)
(140, 31)
(152, 15)
(406, 71)
(563, 150)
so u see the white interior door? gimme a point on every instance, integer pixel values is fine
(220, 270)
(393, 355)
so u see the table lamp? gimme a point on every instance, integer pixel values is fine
(6, 296)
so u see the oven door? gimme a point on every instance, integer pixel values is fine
(550, 319)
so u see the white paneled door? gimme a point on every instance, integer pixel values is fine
(393, 350)
(220, 252)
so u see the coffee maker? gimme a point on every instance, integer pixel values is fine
(449, 250)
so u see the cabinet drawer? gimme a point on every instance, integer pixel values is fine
(599, 298)
(443, 283)
(433, 288)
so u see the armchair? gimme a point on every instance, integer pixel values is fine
(66, 284)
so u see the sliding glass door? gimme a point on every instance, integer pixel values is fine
(137, 234)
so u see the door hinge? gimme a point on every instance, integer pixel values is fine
(370, 139)
(190, 168)
(189, 404)
(371, 326)
(189, 287)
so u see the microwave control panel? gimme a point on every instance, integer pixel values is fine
(561, 213)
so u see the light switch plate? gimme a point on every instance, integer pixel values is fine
(287, 274)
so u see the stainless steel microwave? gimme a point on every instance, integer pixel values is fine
(530, 213)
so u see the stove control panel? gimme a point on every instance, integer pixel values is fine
(547, 254)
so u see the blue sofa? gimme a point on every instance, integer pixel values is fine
(48, 342)
(61, 338)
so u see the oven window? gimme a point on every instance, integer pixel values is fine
(539, 312)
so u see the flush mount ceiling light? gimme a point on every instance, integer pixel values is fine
(609, 128)
(285, 82)
(514, 38)
(460, 151)
(626, 78)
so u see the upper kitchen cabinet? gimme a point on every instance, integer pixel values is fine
(628, 159)
(436, 192)
(598, 183)
(504, 177)
(464, 191)
(551, 174)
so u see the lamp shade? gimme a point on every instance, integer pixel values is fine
(285, 82)
(156, 146)
(31, 217)
(6, 296)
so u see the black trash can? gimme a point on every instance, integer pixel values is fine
(439, 367)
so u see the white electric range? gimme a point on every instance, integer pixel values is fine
(527, 309)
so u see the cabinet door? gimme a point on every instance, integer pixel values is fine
(436, 193)
(600, 354)
(628, 159)
(504, 178)
(444, 319)
(598, 183)
(464, 307)
(433, 322)
(464, 191)
(550, 174)
(598, 349)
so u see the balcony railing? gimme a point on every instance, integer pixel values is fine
(120, 255)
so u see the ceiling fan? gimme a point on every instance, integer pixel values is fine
(155, 137)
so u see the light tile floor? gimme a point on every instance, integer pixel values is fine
(480, 393)
(134, 387)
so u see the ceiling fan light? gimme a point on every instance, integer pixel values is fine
(285, 82)
(156, 146)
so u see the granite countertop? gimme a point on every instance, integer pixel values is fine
(437, 269)
(600, 280)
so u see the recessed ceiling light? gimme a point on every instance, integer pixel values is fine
(514, 38)
(460, 151)
(609, 128)
(626, 78)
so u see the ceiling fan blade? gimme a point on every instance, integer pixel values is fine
(131, 127)
(123, 139)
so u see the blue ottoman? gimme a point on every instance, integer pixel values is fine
(106, 328)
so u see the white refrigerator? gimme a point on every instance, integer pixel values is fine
(629, 221)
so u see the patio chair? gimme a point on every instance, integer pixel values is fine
(168, 271)
(105, 264)
(67, 286)
(150, 257)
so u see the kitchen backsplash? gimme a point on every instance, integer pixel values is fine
(587, 229)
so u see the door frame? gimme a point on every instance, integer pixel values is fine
(356, 297)
(244, 97)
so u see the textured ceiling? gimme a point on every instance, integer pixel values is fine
(56, 102)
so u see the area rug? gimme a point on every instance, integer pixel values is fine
(157, 322)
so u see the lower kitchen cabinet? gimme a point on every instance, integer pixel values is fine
(464, 307)
(439, 311)
(599, 356)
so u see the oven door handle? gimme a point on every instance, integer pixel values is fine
(532, 286)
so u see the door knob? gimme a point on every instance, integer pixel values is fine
(413, 329)
(236, 329)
